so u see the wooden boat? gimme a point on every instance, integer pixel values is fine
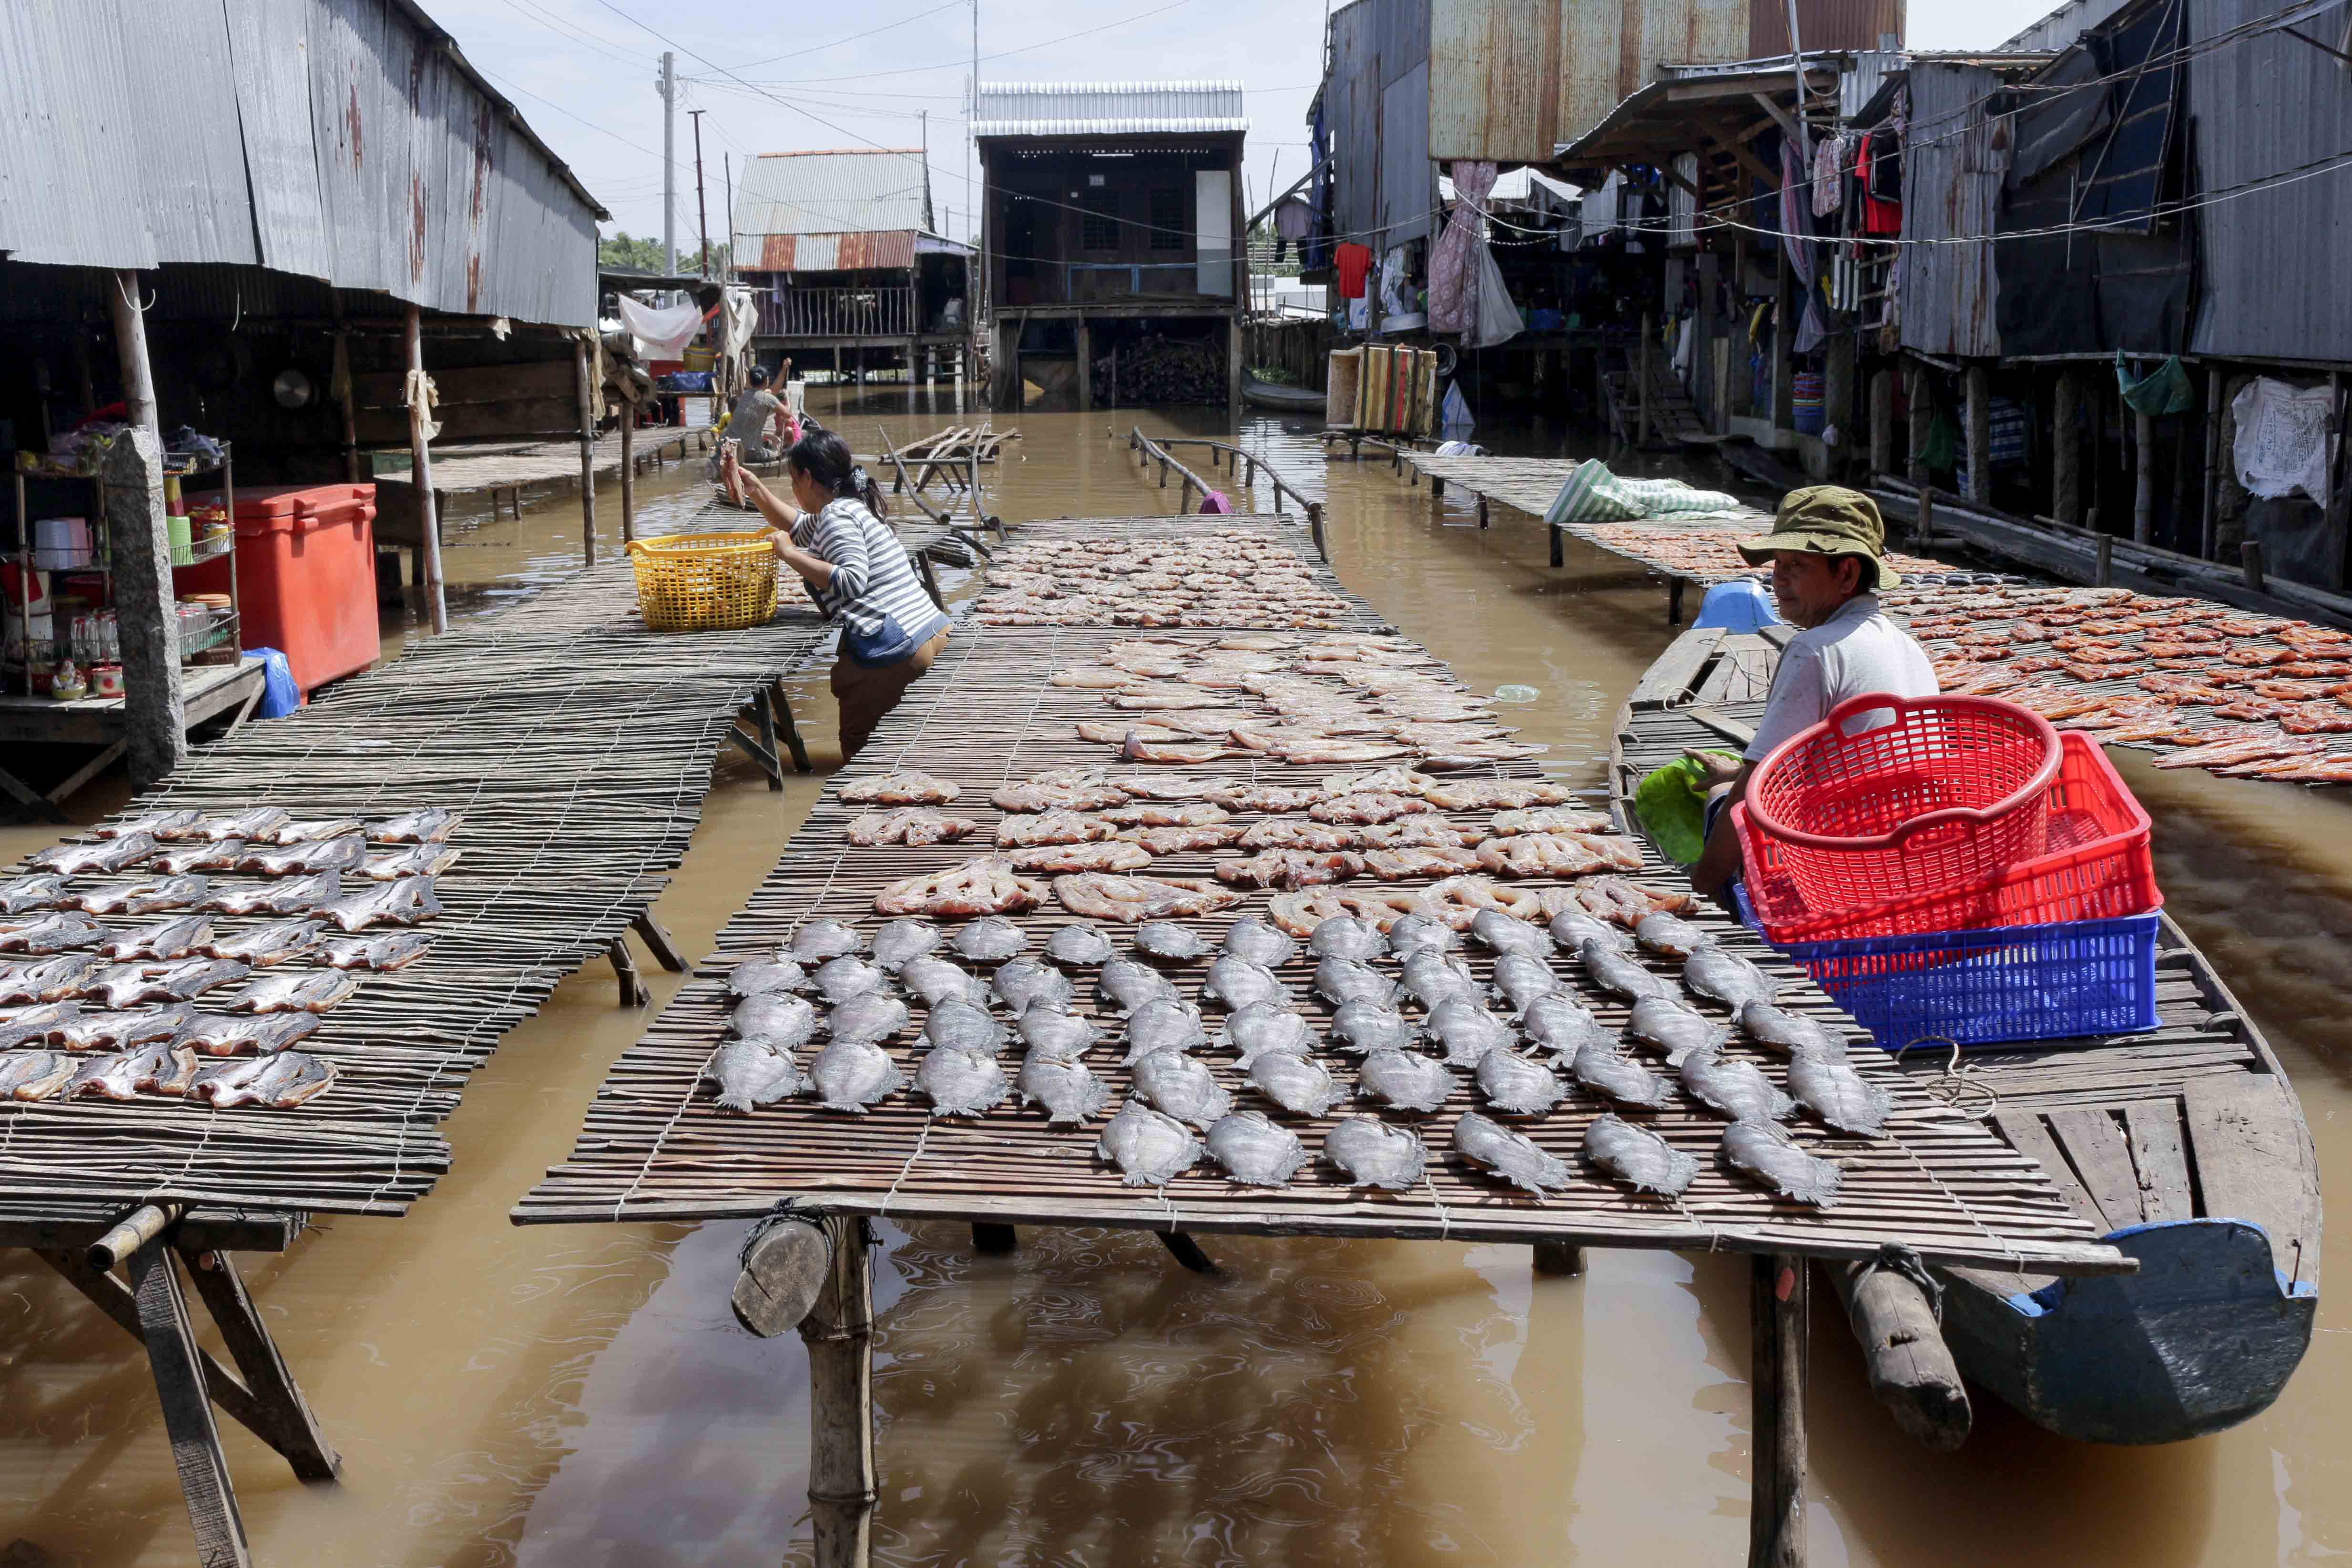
(2185, 1145)
(1281, 399)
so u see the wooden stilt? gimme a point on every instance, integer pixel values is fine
(1922, 418)
(930, 578)
(2066, 450)
(1186, 1251)
(1978, 382)
(839, 1330)
(1559, 548)
(781, 706)
(1315, 529)
(1674, 602)
(1911, 1368)
(178, 1366)
(628, 472)
(587, 451)
(1561, 1257)
(625, 970)
(994, 1238)
(658, 944)
(420, 479)
(1483, 518)
(765, 718)
(1436, 488)
(2143, 478)
(782, 1273)
(1776, 1517)
(293, 1429)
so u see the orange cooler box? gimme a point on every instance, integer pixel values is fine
(306, 577)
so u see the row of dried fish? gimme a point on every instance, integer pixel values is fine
(279, 1081)
(184, 884)
(407, 901)
(1226, 578)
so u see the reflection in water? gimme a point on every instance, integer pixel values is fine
(580, 1395)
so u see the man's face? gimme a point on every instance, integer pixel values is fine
(1809, 587)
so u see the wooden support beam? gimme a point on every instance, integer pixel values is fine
(784, 1272)
(1911, 1368)
(1186, 1251)
(2143, 478)
(1559, 546)
(628, 474)
(134, 1230)
(994, 1239)
(765, 716)
(2066, 449)
(420, 478)
(657, 942)
(1642, 376)
(1564, 1259)
(634, 992)
(293, 1430)
(1923, 417)
(839, 1330)
(587, 451)
(2211, 536)
(178, 1365)
(1979, 380)
(1778, 1292)
(1882, 422)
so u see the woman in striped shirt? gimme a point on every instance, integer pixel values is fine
(857, 572)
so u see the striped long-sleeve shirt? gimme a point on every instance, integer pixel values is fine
(872, 578)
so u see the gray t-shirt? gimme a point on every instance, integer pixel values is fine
(1856, 650)
(753, 421)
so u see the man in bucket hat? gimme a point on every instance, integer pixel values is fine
(1826, 551)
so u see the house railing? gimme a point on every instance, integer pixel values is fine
(874, 312)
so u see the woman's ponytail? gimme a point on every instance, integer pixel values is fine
(825, 458)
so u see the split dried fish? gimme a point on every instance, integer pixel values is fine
(300, 991)
(261, 823)
(1512, 1084)
(45, 891)
(1514, 1156)
(1024, 982)
(751, 1073)
(912, 825)
(1150, 1149)
(267, 945)
(1838, 1095)
(417, 860)
(1256, 1151)
(1732, 1087)
(1598, 1067)
(1668, 1026)
(404, 902)
(1619, 973)
(126, 983)
(932, 981)
(1547, 819)
(1371, 1153)
(1049, 1033)
(962, 1026)
(384, 951)
(900, 941)
(1104, 896)
(850, 1075)
(1164, 1024)
(839, 979)
(45, 979)
(776, 1018)
(1181, 1087)
(1297, 1083)
(54, 934)
(36, 1075)
(989, 941)
(1058, 794)
(1468, 1031)
(986, 886)
(871, 1017)
(1727, 978)
(304, 859)
(34, 1023)
(105, 855)
(1071, 1094)
(1343, 980)
(262, 1034)
(118, 1031)
(157, 825)
(1236, 982)
(1406, 1079)
(960, 1082)
(274, 897)
(818, 941)
(1081, 943)
(1789, 1033)
(1670, 936)
(1564, 1024)
(280, 1081)
(299, 830)
(1345, 936)
(1365, 1025)
(430, 826)
(142, 898)
(1638, 1157)
(1765, 1154)
(761, 976)
(119, 1075)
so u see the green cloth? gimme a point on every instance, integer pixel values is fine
(1672, 805)
(1942, 451)
(1827, 519)
(1593, 494)
(2164, 390)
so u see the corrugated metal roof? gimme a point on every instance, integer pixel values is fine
(831, 192)
(1951, 189)
(2061, 27)
(343, 140)
(827, 252)
(1108, 108)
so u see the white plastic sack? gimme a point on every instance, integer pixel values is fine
(2282, 444)
(661, 332)
(1498, 319)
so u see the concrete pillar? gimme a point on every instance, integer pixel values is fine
(1980, 431)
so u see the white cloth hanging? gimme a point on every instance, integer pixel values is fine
(2282, 444)
(661, 332)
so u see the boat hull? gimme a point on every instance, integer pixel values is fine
(1284, 399)
(2202, 1337)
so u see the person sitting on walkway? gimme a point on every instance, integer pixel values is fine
(756, 411)
(857, 572)
(1826, 549)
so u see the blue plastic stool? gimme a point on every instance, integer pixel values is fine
(1741, 604)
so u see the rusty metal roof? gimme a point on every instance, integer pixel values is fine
(843, 191)
(342, 140)
(1108, 108)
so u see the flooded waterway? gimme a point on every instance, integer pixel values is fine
(580, 1396)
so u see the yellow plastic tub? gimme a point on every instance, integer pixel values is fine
(705, 582)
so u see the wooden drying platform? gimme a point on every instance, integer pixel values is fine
(1291, 532)
(2185, 1129)
(209, 691)
(655, 1146)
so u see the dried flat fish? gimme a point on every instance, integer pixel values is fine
(261, 823)
(818, 941)
(1732, 1087)
(761, 976)
(1071, 1094)
(1670, 936)
(34, 1023)
(1081, 943)
(141, 898)
(850, 1075)
(1253, 941)
(1598, 1067)
(1365, 1025)
(430, 826)
(1345, 936)
(1047, 1032)
(44, 890)
(1164, 1024)
(1261, 1027)
(1516, 1086)
(297, 991)
(1022, 983)
(1343, 980)
(157, 825)
(1564, 1024)
(416, 860)
(963, 1026)
(1236, 982)
(1256, 1151)
(1727, 978)
(126, 983)
(908, 788)
(1128, 984)
(900, 941)
(117, 1075)
(267, 944)
(869, 1016)
(1505, 935)
(173, 939)
(986, 886)
(383, 952)
(1780, 1029)
(1432, 977)
(1167, 940)
(1514, 1156)
(1668, 1026)
(1619, 973)
(1468, 1031)
(1149, 1149)
(105, 855)
(1296, 1083)
(1521, 977)
(200, 855)
(36, 1075)
(960, 1082)
(932, 981)
(1765, 1154)
(1638, 1157)
(54, 979)
(1406, 1079)
(751, 1073)
(280, 1081)
(304, 859)
(776, 1017)
(1180, 1086)
(989, 941)
(301, 830)
(1409, 934)
(251, 1034)
(1837, 1096)
(1371, 1153)
(839, 979)
(118, 1031)
(404, 902)
(54, 934)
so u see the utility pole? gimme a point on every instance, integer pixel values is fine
(925, 116)
(971, 149)
(669, 87)
(727, 167)
(701, 212)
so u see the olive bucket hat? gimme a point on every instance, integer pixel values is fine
(1827, 519)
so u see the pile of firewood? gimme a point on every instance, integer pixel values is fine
(1156, 369)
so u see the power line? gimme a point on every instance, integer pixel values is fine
(886, 26)
(917, 70)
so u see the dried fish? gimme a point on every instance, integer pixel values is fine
(1468, 1031)
(850, 1075)
(751, 1073)
(818, 941)
(1128, 984)
(157, 825)
(267, 944)
(1571, 929)
(430, 826)
(142, 898)
(1081, 943)
(299, 830)
(1432, 977)
(1297, 1083)
(118, 1076)
(1733, 1088)
(986, 886)
(1164, 1024)
(1071, 1094)
(1049, 1033)
(1167, 940)
(304, 859)
(1512, 1083)
(417, 860)
(1838, 1095)
(871, 1017)
(1668, 1026)
(280, 1081)
(1345, 936)
(989, 941)
(839, 979)
(1638, 1157)
(963, 1026)
(1769, 1155)
(252, 1034)
(1727, 978)
(1410, 934)
(52, 933)
(775, 1019)
(1254, 942)
(120, 1031)
(45, 979)
(1406, 1079)
(1343, 980)
(1564, 1024)
(1179, 1085)
(1024, 982)
(900, 941)
(36, 1075)
(126, 983)
(404, 902)
(1236, 982)
(1598, 1067)
(1789, 1033)
(45, 891)
(261, 823)
(761, 976)
(932, 981)
(1102, 896)
(1491, 1146)
(960, 1082)
(1506, 935)
(1150, 1149)
(1670, 936)
(385, 951)
(1372, 1154)
(1522, 978)
(1256, 1151)
(34, 1023)
(1365, 1025)
(1619, 973)
(105, 855)
(1260, 1027)
(297, 991)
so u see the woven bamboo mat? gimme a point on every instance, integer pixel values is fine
(655, 1146)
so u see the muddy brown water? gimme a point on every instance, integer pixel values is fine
(580, 1395)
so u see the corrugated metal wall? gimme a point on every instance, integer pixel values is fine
(1376, 44)
(1825, 24)
(1495, 78)
(1612, 49)
(2273, 260)
(329, 138)
(1951, 188)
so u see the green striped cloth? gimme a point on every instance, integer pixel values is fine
(1593, 494)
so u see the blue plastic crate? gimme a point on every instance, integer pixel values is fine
(1980, 987)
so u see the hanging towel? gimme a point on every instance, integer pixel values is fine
(2282, 443)
(1829, 175)
(1352, 261)
(2164, 390)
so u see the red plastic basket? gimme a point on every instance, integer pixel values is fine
(2098, 868)
(1953, 792)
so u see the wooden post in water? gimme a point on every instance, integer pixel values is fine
(178, 1365)
(2211, 536)
(840, 1333)
(1561, 1258)
(154, 707)
(1641, 379)
(1778, 1294)
(1980, 434)
(344, 394)
(1882, 422)
(1923, 415)
(2066, 450)
(1911, 1368)
(587, 451)
(628, 471)
(2250, 554)
(1085, 367)
(420, 475)
(2143, 478)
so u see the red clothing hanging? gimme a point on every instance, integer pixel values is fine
(1879, 215)
(1353, 262)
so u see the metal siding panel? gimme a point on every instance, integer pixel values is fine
(1590, 35)
(1495, 78)
(270, 46)
(2271, 258)
(1408, 183)
(1110, 107)
(191, 188)
(1825, 24)
(1951, 187)
(68, 136)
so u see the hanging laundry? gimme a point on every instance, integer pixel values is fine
(1353, 262)
(1795, 220)
(1294, 220)
(1829, 173)
(1878, 165)
(2283, 444)
(1454, 268)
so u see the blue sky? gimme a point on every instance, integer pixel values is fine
(862, 75)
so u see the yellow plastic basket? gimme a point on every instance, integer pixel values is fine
(705, 582)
